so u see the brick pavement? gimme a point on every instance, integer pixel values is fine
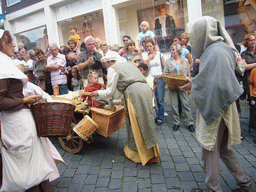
(102, 166)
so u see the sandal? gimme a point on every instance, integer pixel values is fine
(242, 137)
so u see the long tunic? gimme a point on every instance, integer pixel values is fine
(133, 85)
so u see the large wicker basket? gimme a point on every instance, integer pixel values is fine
(174, 80)
(108, 121)
(53, 119)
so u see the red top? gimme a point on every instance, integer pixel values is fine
(91, 88)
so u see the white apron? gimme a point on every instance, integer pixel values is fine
(25, 162)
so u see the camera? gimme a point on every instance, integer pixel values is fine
(97, 63)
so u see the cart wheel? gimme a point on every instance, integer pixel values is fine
(72, 143)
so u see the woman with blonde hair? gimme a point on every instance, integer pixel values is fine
(184, 41)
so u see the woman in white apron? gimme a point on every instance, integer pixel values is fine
(28, 162)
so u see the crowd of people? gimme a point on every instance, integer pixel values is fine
(209, 63)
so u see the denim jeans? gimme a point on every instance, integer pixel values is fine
(159, 92)
(63, 89)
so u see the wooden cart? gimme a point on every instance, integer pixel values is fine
(108, 122)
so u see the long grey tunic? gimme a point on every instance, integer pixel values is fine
(133, 84)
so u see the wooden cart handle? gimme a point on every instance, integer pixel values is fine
(85, 93)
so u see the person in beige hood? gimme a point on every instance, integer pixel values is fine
(215, 90)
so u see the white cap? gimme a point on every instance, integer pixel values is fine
(111, 55)
(1, 33)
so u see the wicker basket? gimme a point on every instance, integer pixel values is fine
(108, 121)
(174, 80)
(53, 119)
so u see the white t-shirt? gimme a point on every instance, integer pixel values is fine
(155, 66)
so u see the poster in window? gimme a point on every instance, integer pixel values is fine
(166, 21)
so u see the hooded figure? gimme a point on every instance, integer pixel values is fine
(215, 90)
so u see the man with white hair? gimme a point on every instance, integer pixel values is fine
(56, 63)
(89, 60)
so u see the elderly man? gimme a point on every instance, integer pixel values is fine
(89, 61)
(56, 63)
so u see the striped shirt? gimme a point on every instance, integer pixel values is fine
(57, 77)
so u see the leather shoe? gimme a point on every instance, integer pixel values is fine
(191, 128)
(159, 122)
(175, 127)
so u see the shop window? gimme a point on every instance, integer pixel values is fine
(12, 2)
(166, 20)
(34, 38)
(240, 15)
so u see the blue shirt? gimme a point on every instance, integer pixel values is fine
(184, 52)
(141, 36)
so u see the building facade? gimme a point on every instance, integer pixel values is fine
(42, 22)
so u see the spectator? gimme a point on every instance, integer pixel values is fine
(97, 44)
(29, 64)
(90, 61)
(72, 46)
(43, 79)
(156, 63)
(185, 52)
(21, 47)
(115, 48)
(249, 55)
(56, 64)
(144, 26)
(104, 48)
(131, 56)
(217, 122)
(184, 41)
(125, 40)
(178, 65)
(19, 56)
(252, 86)
(74, 36)
(76, 81)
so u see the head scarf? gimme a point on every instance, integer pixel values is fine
(215, 87)
(8, 68)
(204, 31)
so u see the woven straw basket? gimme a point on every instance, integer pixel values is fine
(174, 80)
(53, 119)
(108, 121)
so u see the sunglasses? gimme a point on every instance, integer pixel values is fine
(125, 40)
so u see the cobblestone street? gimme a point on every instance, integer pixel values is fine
(102, 166)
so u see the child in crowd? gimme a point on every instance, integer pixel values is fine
(94, 85)
(74, 36)
(76, 81)
(21, 47)
(150, 79)
(252, 88)
(144, 26)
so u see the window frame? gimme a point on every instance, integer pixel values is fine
(8, 5)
